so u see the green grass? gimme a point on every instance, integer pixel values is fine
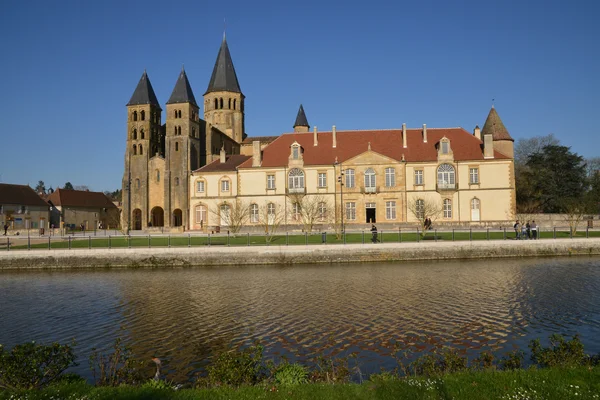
(392, 236)
(549, 384)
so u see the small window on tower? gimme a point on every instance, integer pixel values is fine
(176, 146)
(142, 133)
(176, 181)
(134, 150)
(135, 115)
(179, 130)
(216, 104)
(221, 102)
(141, 150)
(234, 103)
(135, 134)
(179, 113)
(143, 115)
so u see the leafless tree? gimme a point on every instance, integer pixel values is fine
(574, 214)
(84, 188)
(232, 214)
(310, 210)
(270, 217)
(424, 208)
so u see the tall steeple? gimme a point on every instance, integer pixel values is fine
(182, 93)
(301, 124)
(223, 78)
(143, 94)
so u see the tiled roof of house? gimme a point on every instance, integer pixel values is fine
(493, 124)
(262, 139)
(231, 163)
(80, 198)
(387, 142)
(20, 195)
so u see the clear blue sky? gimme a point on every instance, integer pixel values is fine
(68, 68)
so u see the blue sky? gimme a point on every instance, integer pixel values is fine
(69, 67)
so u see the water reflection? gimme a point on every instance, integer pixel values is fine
(184, 316)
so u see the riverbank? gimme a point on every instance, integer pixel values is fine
(549, 384)
(296, 254)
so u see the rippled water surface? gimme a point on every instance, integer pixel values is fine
(184, 316)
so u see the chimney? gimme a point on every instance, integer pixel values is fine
(315, 138)
(488, 146)
(404, 136)
(256, 153)
(222, 157)
(424, 133)
(334, 136)
(477, 132)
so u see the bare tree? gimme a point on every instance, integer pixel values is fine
(425, 208)
(526, 147)
(310, 210)
(270, 217)
(233, 215)
(574, 213)
(84, 188)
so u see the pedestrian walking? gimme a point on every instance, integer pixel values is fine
(517, 228)
(528, 228)
(374, 238)
(5, 229)
(534, 230)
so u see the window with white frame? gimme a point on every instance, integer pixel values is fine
(445, 147)
(447, 208)
(390, 177)
(350, 211)
(296, 211)
(369, 179)
(322, 179)
(445, 175)
(418, 176)
(420, 208)
(295, 152)
(473, 175)
(296, 180)
(390, 210)
(322, 208)
(225, 185)
(271, 213)
(200, 186)
(225, 213)
(254, 213)
(270, 181)
(201, 214)
(349, 178)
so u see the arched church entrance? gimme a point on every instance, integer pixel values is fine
(177, 217)
(158, 216)
(137, 219)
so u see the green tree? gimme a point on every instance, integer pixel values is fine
(553, 178)
(68, 186)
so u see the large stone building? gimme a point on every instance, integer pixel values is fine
(22, 208)
(200, 173)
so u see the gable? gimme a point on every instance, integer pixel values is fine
(370, 157)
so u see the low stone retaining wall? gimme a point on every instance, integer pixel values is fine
(312, 254)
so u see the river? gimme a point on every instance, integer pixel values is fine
(184, 316)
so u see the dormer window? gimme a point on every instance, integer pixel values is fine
(296, 152)
(445, 146)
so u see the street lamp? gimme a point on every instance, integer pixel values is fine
(340, 179)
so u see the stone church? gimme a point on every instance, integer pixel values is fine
(162, 151)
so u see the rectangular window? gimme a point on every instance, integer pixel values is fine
(349, 178)
(296, 212)
(200, 186)
(322, 179)
(473, 175)
(444, 147)
(390, 177)
(270, 181)
(418, 177)
(295, 152)
(254, 213)
(447, 208)
(225, 186)
(390, 209)
(351, 211)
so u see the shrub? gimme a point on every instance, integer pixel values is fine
(236, 368)
(117, 368)
(485, 360)
(334, 370)
(446, 362)
(290, 374)
(512, 360)
(33, 366)
(561, 352)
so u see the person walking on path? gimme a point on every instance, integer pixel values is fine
(5, 228)
(528, 227)
(523, 231)
(534, 230)
(517, 228)
(374, 238)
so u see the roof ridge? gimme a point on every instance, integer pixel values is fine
(370, 130)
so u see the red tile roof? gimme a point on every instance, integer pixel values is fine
(262, 139)
(80, 198)
(22, 195)
(231, 163)
(387, 142)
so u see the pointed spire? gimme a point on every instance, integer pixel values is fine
(223, 77)
(182, 93)
(144, 94)
(301, 118)
(494, 126)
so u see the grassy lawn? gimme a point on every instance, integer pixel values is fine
(395, 236)
(549, 384)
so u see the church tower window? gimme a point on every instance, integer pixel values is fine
(141, 150)
(143, 115)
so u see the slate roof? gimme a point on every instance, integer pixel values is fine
(80, 198)
(144, 94)
(231, 163)
(20, 195)
(493, 124)
(182, 93)
(301, 118)
(223, 77)
(387, 142)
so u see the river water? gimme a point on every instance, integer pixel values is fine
(185, 316)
